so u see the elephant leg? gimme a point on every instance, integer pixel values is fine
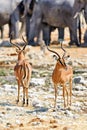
(35, 25)
(31, 33)
(35, 29)
(11, 31)
(22, 29)
(79, 28)
(40, 37)
(15, 24)
(85, 37)
(61, 34)
(73, 33)
(47, 34)
(27, 26)
(2, 31)
(71, 38)
(40, 41)
(16, 29)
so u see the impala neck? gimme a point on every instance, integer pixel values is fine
(21, 56)
(58, 65)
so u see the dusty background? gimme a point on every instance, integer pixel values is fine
(39, 115)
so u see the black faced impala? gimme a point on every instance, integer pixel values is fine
(61, 75)
(22, 72)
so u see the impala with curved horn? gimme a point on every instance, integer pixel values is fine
(22, 71)
(62, 74)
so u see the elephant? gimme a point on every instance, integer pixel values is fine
(10, 13)
(45, 33)
(1, 29)
(85, 13)
(85, 34)
(56, 13)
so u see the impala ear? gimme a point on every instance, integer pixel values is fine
(66, 57)
(27, 49)
(55, 57)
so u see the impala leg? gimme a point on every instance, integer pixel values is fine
(23, 84)
(64, 94)
(27, 96)
(67, 95)
(18, 91)
(70, 90)
(23, 95)
(55, 89)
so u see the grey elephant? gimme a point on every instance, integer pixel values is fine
(85, 34)
(45, 32)
(10, 13)
(57, 13)
(2, 30)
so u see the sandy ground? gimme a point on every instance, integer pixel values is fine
(33, 122)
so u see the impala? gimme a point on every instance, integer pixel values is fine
(22, 71)
(61, 75)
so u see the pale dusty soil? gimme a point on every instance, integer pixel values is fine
(28, 122)
(50, 123)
